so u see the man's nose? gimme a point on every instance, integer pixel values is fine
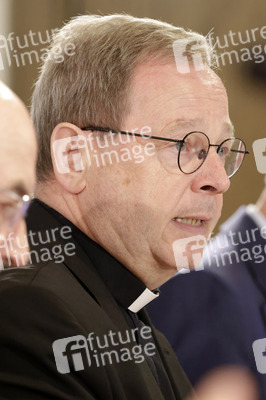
(212, 175)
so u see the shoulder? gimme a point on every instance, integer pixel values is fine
(33, 319)
(32, 276)
(21, 296)
(27, 301)
(18, 276)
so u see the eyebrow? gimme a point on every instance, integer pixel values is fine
(230, 128)
(18, 187)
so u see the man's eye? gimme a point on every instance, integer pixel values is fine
(223, 151)
(180, 146)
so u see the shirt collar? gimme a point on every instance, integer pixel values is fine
(126, 288)
(145, 298)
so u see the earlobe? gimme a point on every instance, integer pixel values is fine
(69, 156)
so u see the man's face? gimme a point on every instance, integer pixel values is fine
(17, 164)
(137, 205)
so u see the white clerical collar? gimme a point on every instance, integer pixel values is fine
(145, 298)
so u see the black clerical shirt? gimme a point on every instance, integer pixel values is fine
(125, 288)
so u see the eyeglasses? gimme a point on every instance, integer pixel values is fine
(193, 150)
(13, 208)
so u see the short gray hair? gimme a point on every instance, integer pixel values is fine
(92, 86)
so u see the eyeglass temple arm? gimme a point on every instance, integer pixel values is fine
(233, 151)
(96, 128)
(90, 128)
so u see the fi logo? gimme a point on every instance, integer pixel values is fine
(259, 350)
(71, 353)
(65, 148)
(190, 52)
(259, 150)
(188, 252)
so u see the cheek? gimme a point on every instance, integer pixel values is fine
(174, 190)
(219, 205)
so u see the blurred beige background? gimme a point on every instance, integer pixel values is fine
(247, 94)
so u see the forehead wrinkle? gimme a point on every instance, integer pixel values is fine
(185, 123)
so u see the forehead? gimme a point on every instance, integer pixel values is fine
(164, 75)
(197, 96)
(17, 150)
(17, 170)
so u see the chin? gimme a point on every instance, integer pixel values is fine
(188, 252)
(166, 261)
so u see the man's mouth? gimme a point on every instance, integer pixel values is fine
(189, 221)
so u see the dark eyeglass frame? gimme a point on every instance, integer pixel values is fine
(97, 128)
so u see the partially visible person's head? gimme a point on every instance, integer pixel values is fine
(140, 76)
(18, 153)
(227, 383)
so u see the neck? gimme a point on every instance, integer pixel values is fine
(141, 263)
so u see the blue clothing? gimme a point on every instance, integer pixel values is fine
(212, 317)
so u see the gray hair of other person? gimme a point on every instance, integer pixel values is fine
(92, 86)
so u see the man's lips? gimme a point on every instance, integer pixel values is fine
(196, 224)
(194, 220)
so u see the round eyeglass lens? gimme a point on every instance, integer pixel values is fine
(232, 153)
(193, 152)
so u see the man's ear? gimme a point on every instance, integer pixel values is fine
(70, 156)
